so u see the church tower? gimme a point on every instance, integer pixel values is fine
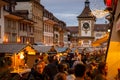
(86, 21)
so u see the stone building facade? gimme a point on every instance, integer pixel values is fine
(54, 29)
(15, 28)
(35, 10)
(87, 30)
(49, 22)
(27, 21)
(86, 21)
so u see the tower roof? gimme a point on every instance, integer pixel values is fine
(86, 13)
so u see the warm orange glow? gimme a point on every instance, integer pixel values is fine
(30, 50)
(95, 44)
(27, 42)
(5, 39)
(101, 40)
(31, 53)
(21, 55)
(18, 39)
(113, 59)
(60, 54)
(108, 30)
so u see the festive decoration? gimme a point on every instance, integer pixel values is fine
(109, 3)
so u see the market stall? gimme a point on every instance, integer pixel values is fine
(20, 54)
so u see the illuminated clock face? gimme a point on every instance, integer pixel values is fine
(86, 25)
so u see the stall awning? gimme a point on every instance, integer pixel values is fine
(15, 48)
(95, 44)
(61, 49)
(101, 40)
(42, 48)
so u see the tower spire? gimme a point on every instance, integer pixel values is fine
(87, 3)
(87, 13)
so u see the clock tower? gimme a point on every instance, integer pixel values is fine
(86, 22)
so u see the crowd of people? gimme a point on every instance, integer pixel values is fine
(73, 66)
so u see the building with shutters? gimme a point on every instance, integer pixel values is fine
(15, 27)
(35, 13)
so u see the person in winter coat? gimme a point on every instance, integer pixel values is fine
(80, 71)
(37, 72)
(102, 71)
(51, 69)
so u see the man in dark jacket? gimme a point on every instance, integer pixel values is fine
(37, 72)
(51, 69)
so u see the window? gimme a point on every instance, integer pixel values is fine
(14, 37)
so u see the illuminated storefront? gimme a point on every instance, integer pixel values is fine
(113, 54)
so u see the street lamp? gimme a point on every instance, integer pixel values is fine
(108, 30)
